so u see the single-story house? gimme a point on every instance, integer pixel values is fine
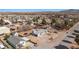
(17, 42)
(76, 30)
(7, 22)
(4, 30)
(39, 32)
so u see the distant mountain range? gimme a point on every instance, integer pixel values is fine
(71, 11)
(46, 11)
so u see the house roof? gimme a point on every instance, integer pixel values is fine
(7, 21)
(4, 30)
(65, 44)
(77, 27)
(38, 31)
(61, 47)
(14, 40)
(69, 39)
(25, 38)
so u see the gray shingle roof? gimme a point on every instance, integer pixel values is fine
(14, 40)
(69, 39)
(65, 44)
(61, 47)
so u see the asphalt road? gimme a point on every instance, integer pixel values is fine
(64, 35)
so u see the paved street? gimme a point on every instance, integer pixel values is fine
(63, 36)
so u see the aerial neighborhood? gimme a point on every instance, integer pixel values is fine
(39, 30)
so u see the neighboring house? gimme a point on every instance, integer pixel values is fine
(39, 32)
(13, 28)
(4, 30)
(76, 30)
(7, 22)
(19, 20)
(18, 42)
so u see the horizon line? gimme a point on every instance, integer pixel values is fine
(31, 10)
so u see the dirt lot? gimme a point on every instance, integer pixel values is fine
(49, 40)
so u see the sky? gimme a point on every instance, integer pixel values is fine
(29, 10)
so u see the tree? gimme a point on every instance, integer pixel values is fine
(44, 21)
(65, 22)
(1, 22)
(68, 24)
(29, 22)
(35, 19)
(59, 24)
(53, 21)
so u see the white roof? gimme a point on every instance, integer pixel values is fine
(8, 21)
(25, 38)
(19, 20)
(4, 30)
(29, 44)
(38, 31)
